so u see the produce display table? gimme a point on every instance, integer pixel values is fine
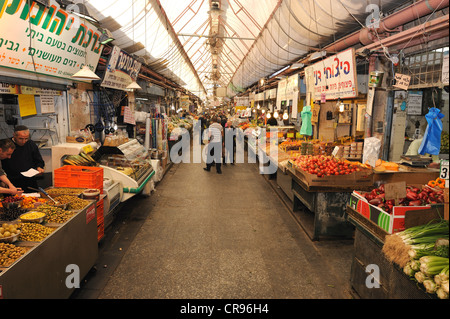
(393, 283)
(326, 209)
(41, 272)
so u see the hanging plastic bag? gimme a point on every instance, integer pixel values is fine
(371, 153)
(306, 128)
(431, 143)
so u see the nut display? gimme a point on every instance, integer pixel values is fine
(10, 253)
(12, 202)
(74, 202)
(34, 232)
(55, 214)
(64, 191)
(11, 213)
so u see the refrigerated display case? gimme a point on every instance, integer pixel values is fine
(128, 163)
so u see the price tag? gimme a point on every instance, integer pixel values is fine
(335, 151)
(88, 148)
(444, 171)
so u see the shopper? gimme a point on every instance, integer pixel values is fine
(7, 148)
(26, 155)
(223, 122)
(214, 147)
(203, 126)
(272, 121)
(230, 155)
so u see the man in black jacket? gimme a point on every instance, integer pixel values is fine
(25, 156)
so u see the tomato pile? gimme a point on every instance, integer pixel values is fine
(322, 165)
(414, 197)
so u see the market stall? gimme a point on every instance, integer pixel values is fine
(396, 236)
(129, 164)
(45, 250)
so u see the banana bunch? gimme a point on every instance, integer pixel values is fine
(79, 160)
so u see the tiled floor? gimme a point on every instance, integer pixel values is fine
(205, 235)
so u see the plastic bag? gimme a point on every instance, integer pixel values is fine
(431, 143)
(371, 153)
(306, 128)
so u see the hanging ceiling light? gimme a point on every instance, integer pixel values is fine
(133, 86)
(268, 115)
(215, 10)
(85, 74)
(275, 114)
(285, 115)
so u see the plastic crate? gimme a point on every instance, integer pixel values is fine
(79, 177)
(100, 211)
(101, 230)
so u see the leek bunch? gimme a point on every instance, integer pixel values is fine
(431, 272)
(425, 234)
(429, 256)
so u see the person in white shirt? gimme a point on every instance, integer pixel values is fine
(214, 151)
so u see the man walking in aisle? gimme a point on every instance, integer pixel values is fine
(214, 147)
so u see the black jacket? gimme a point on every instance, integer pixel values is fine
(22, 159)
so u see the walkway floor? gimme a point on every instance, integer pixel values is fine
(205, 235)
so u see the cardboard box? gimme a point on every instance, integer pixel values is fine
(391, 223)
(362, 178)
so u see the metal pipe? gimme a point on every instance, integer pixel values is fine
(141, 187)
(436, 25)
(401, 17)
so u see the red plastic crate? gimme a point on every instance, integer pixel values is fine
(79, 177)
(101, 230)
(100, 211)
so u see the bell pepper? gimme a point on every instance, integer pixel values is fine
(440, 182)
(432, 183)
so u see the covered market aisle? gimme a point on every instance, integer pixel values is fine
(338, 112)
(223, 236)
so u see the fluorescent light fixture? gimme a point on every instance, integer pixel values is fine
(106, 37)
(82, 12)
(317, 55)
(85, 74)
(297, 66)
(280, 71)
(133, 86)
